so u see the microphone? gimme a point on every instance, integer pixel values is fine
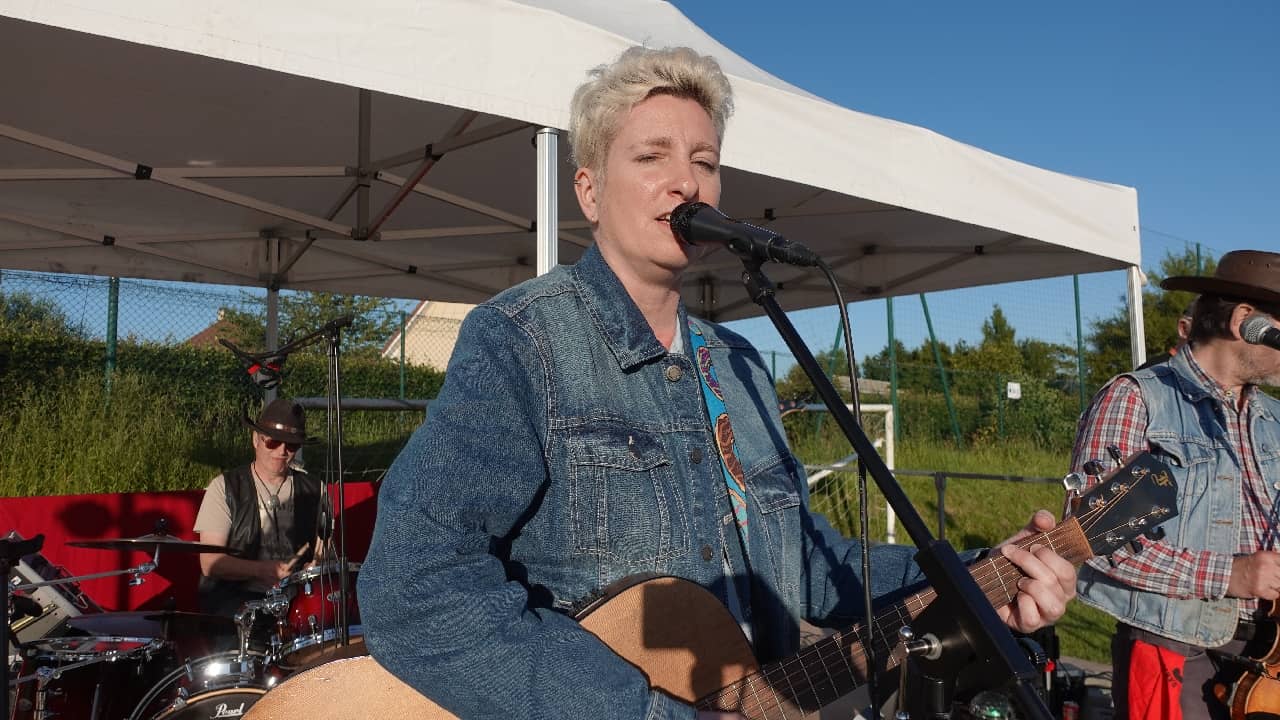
(338, 323)
(700, 224)
(1258, 330)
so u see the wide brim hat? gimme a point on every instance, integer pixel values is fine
(282, 420)
(1240, 275)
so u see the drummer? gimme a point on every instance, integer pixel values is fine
(266, 509)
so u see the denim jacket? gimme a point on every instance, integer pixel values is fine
(1186, 428)
(567, 450)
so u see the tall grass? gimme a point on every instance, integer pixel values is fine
(151, 434)
(74, 438)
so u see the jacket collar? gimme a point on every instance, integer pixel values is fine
(615, 315)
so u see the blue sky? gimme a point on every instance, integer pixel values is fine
(1180, 100)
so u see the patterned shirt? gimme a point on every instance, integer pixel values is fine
(1118, 416)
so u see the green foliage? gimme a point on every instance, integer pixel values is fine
(302, 313)
(21, 311)
(172, 418)
(1108, 339)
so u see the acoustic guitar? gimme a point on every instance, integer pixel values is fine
(689, 646)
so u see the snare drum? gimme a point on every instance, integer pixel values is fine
(311, 622)
(95, 677)
(224, 685)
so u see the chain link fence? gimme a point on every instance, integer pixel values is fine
(1004, 364)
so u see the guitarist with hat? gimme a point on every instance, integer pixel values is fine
(1202, 411)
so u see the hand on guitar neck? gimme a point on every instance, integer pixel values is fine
(1050, 580)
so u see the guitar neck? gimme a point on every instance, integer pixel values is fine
(836, 665)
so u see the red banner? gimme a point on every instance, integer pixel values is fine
(65, 518)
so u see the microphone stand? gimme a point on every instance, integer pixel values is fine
(960, 604)
(333, 432)
(331, 334)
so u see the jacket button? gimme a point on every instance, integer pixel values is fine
(695, 455)
(674, 372)
(707, 553)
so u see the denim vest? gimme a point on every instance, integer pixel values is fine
(567, 450)
(1187, 429)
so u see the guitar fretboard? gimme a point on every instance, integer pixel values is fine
(836, 665)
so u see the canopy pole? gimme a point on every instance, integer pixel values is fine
(364, 126)
(1137, 328)
(548, 223)
(273, 305)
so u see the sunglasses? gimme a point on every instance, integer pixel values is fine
(272, 444)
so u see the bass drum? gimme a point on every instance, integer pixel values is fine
(224, 685)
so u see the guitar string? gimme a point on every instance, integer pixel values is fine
(922, 599)
(822, 650)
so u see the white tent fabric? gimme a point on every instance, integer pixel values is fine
(243, 118)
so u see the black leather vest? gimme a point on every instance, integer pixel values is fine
(224, 597)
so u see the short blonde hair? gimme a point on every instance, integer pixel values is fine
(639, 73)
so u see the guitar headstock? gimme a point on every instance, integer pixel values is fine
(1129, 501)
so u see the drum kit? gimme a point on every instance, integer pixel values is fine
(171, 665)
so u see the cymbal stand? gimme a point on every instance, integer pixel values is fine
(11, 551)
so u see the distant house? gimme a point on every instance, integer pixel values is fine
(430, 333)
(208, 337)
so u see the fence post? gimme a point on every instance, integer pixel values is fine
(831, 369)
(403, 326)
(773, 364)
(113, 313)
(1199, 266)
(942, 372)
(893, 369)
(1000, 393)
(1075, 282)
(940, 485)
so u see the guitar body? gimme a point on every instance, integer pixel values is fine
(676, 632)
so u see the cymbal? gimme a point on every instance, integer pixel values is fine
(150, 543)
(152, 624)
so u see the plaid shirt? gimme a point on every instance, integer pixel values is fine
(1118, 416)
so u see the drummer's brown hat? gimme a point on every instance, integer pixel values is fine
(1241, 275)
(282, 420)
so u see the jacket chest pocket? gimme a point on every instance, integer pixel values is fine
(1207, 482)
(774, 490)
(622, 495)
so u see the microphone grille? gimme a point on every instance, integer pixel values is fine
(1253, 327)
(682, 216)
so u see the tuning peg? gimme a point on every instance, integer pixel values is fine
(1155, 533)
(1135, 546)
(1073, 482)
(1114, 452)
(1095, 468)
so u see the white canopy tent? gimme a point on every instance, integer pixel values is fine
(393, 149)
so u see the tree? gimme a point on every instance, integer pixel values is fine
(1108, 339)
(24, 312)
(302, 313)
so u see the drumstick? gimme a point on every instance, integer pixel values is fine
(297, 557)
